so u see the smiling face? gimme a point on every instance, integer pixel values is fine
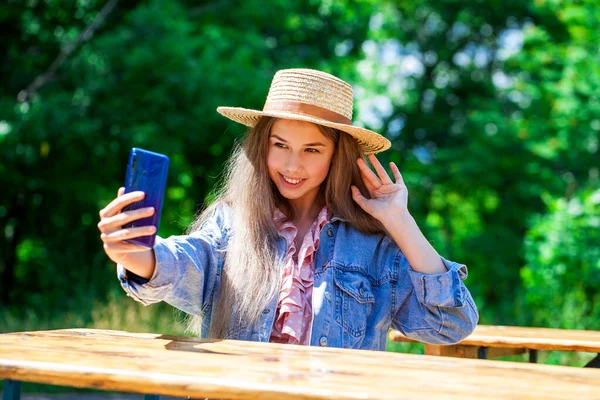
(298, 159)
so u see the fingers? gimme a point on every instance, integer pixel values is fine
(107, 225)
(383, 175)
(112, 220)
(123, 247)
(127, 233)
(115, 206)
(368, 176)
(369, 185)
(397, 174)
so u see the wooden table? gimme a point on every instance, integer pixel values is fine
(179, 366)
(495, 341)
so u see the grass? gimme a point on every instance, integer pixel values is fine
(118, 312)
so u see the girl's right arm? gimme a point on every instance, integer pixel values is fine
(137, 259)
(180, 270)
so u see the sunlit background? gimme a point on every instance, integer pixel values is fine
(492, 108)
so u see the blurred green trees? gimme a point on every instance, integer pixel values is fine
(492, 108)
(560, 77)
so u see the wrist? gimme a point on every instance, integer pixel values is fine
(399, 218)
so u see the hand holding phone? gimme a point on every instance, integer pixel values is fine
(135, 258)
(122, 222)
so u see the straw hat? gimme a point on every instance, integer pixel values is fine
(312, 96)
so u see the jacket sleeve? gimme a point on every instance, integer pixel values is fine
(435, 309)
(186, 268)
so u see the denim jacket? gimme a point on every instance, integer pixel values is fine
(363, 285)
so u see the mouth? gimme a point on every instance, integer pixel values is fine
(291, 182)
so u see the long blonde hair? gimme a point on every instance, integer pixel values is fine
(251, 274)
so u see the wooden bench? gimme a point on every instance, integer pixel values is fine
(496, 341)
(181, 367)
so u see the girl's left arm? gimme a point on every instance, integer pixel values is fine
(416, 248)
(439, 298)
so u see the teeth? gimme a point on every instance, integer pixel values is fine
(292, 181)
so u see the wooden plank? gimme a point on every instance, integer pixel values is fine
(181, 367)
(524, 337)
(469, 351)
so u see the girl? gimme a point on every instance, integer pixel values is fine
(304, 244)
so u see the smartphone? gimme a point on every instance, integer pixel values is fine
(146, 171)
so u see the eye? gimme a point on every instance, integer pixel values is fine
(280, 145)
(311, 150)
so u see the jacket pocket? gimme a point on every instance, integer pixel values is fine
(353, 301)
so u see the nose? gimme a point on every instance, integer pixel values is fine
(293, 163)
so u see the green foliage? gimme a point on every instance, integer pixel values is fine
(563, 264)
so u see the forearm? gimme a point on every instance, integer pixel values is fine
(141, 263)
(421, 256)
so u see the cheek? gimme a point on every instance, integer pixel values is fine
(320, 169)
(273, 162)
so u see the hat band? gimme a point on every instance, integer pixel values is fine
(307, 109)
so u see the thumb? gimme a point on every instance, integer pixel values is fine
(121, 191)
(359, 198)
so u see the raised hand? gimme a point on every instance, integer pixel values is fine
(387, 198)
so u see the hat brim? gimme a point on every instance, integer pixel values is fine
(369, 141)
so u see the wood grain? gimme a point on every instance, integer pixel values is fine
(175, 366)
(526, 338)
(469, 351)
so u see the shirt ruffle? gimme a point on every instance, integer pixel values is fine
(293, 320)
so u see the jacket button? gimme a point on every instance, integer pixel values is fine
(323, 341)
(330, 232)
(328, 296)
(361, 291)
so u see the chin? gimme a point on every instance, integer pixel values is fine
(290, 196)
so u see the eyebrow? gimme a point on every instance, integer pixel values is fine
(306, 145)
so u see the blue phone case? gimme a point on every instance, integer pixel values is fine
(146, 171)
